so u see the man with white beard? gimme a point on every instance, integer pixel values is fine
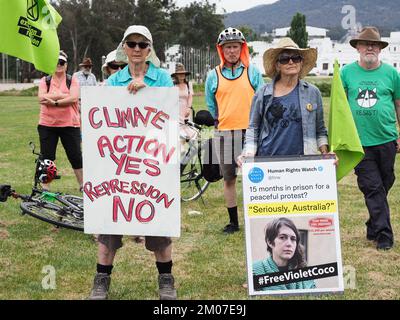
(373, 92)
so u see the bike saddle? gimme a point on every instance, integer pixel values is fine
(5, 192)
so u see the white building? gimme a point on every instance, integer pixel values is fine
(328, 50)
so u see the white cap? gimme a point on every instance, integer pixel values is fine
(110, 58)
(142, 30)
(62, 57)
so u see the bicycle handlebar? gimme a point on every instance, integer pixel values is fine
(192, 124)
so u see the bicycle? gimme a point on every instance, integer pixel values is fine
(61, 210)
(193, 183)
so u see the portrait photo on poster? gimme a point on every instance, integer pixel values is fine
(293, 253)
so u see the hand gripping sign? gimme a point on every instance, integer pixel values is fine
(292, 226)
(131, 161)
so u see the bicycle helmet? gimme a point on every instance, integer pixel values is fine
(47, 171)
(230, 35)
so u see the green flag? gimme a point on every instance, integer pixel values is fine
(343, 135)
(29, 32)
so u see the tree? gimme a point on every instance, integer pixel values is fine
(197, 25)
(297, 31)
(248, 33)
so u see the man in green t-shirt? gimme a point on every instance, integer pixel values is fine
(373, 91)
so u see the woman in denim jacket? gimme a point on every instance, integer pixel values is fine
(286, 115)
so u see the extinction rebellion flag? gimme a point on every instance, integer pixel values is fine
(29, 32)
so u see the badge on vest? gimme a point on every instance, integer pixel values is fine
(309, 107)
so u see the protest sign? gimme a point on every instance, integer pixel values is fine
(131, 161)
(292, 226)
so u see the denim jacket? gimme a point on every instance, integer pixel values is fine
(314, 130)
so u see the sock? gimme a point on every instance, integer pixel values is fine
(164, 267)
(104, 269)
(233, 216)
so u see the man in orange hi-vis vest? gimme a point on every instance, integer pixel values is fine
(229, 90)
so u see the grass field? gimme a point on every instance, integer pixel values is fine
(207, 263)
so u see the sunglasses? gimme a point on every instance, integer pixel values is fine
(115, 66)
(61, 62)
(133, 44)
(285, 59)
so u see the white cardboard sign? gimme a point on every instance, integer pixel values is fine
(131, 161)
(281, 196)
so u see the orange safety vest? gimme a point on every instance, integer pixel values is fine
(233, 101)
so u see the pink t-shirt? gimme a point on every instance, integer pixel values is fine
(65, 116)
(185, 100)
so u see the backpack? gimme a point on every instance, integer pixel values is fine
(68, 81)
(211, 171)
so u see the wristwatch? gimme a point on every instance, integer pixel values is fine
(56, 103)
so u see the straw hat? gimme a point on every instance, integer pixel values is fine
(370, 34)
(142, 30)
(180, 69)
(86, 62)
(271, 56)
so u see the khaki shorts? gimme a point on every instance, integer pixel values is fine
(114, 242)
(228, 146)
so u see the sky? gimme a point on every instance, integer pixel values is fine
(230, 5)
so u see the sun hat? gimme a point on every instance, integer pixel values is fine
(180, 69)
(86, 62)
(142, 30)
(111, 57)
(370, 34)
(271, 56)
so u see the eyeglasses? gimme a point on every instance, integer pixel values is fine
(115, 66)
(368, 44)
(61, 62)
(285, 59)
(133, 44)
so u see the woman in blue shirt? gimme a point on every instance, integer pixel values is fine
(143, 69)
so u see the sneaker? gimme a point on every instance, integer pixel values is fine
(167, 290)
(231, 228)
(101, 284)
(384, 246)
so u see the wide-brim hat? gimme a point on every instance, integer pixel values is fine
(86, 62)
(370, 34)
(271, 57)
(180, 69)
(143, 31)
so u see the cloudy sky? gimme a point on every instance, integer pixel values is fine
(230, 5)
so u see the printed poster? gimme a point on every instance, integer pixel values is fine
(131, 161)
(292, 226)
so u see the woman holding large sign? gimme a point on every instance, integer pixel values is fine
(142, 70)
(287, 114)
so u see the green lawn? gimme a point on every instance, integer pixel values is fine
(207, 264)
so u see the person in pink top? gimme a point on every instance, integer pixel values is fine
(185, 100)
(59, 116)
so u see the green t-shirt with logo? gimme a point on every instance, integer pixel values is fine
(372, 95)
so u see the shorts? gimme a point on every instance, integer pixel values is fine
(228, 146)
(114, 242)
(70, 138)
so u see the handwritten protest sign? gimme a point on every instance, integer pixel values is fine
(131, 161)
(292, 226)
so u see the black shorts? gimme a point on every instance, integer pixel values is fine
(70, 139)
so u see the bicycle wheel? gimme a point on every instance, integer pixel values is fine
(193, 184)
(52, 213)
